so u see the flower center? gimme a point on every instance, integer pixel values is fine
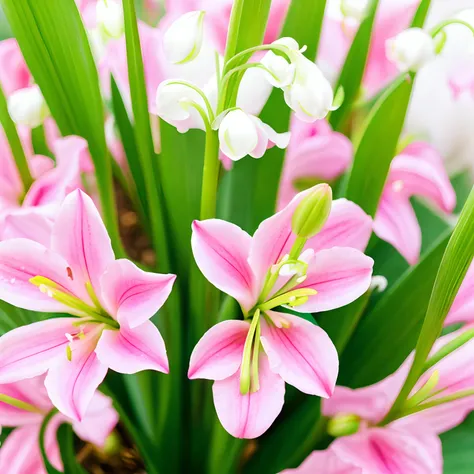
(88, 314)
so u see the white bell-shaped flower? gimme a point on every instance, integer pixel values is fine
(109, 17)
(183, 39)
(411, 49)
(281, 72)
(356, 9)
(242, 134)
(310, 95)
(28, 107)
(174, 104)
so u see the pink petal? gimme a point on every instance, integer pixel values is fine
(20, 452)
(31, 350)
(99, 421)
(218, 354)
(221, 250)
(388, 450)
(324, 462)
(21, 260)
(80, 236)
(29, 224)
(132, 350)
(420, 171)
(302, 354)
(347, 226)
(315, 152)
(273, 239)
(131, 294)
(462, 309)
(31, 391)
(14, 73)
(71, 384)
(396, 223)
(249, 416)
(340, 275)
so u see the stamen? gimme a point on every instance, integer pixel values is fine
(245, 370)
(69, 353)
(69, 273)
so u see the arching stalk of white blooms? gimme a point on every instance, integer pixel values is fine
(307, 92)
(356, 9)
(28, 107)
(183, 39)
(411, 49)
(109, 16)
(242, 134)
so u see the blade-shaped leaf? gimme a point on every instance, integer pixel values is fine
(454, 265)
(377, 146)
(458, 455)
(350, 78)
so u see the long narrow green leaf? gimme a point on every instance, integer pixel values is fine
(261, 178)
(458, 455)
(15, 143)
(54, 43)
(454, 265)
(388, 332)
(353, 69)
(421, 14)
(377, 146)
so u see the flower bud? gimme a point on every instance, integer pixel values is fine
(173, 105)
(28, 107)
(109, 16)
(312, 212)
(343, 425)
(281, 72)
(242, 134)
(411, 49)
(183, 39)
(310, 96)
(356, 9)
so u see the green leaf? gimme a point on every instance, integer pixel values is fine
(40, 146)
(54, 44)
(377, 146)
(65, 437)
(388, 332)
(127, 136)
(454, 265)
(261, 178)
(458, 455)
(352, 73)
(16, 147)
(421, 13)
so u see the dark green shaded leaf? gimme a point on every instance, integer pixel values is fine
(458, 452)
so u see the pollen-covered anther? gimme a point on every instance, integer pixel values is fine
(46, 290)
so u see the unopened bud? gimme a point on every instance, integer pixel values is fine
(28, 107)
(343, 425)
(183, 39)
(109, 15)
(312, 212)
(411, 49)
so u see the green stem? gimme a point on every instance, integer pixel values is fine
(244, 55)
(233, 34)
(297, 248)
(434, 403)
(14, 402)
(210, 176)
(449, 348)
(201, 94)
(18, 153)
(443, 24)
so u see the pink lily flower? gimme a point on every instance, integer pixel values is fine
(410, 441)
(111, 302)
(32, 216)
(14, 73)
(417, 171)
(315, 154)
(331, 271)
(20, 452)
(324, 462)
